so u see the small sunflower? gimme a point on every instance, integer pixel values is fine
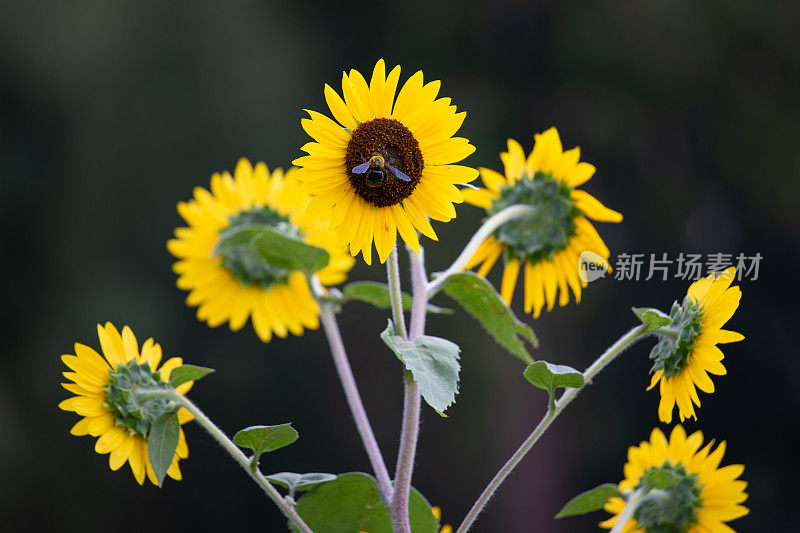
(387, 164)
(548, 244)
(704, 498)
(684, 359)
(236, 283)
(103, 384)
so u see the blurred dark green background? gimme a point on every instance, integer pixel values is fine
(110, 112)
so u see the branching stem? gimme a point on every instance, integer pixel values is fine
(232, 450)
(601, 362)
(488, 227)
(412, 402)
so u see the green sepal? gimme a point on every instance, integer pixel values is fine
(235, 236)
(185, 373)
(377, 295)
(162, 441)
(300, 482)
(480, 299)
(589, 501)
(433, 363)
(660, 478)
(289, 253)
(263, 439)
(550, 377)
(651, 318)
(352, 503)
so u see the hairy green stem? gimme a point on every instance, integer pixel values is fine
(601, 362)
(348, 381)
(232, 449)
(630, 507)
(488, 227)
(395, 296)
(412, 403)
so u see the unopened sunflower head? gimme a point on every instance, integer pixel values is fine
(384, 165)
(700, 497)
(687, 353)
(104, 387)
(234, 283)
(548, 245)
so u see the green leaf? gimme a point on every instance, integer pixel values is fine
(263, 439)
(483, 303)
(652, 318)
(352, 503)
(289, 253)
(162, 441)
(377, 294)
(591, 500)
(551, 377)
(433, 363)
(660, 479)
(300, 482)
(185, 373)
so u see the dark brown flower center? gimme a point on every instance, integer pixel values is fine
(376, 179)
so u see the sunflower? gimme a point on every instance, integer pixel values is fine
(688, 352)
(704, 497)
(549, 244)
(235, 283)
(103, 386)
(385, 164)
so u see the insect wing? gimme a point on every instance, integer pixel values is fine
(397, 173)
(360, 169)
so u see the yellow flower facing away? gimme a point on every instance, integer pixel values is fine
(548, 245)
(683, 362)
(385, 165)
(236, 283)
(100, 384)
(705, 497)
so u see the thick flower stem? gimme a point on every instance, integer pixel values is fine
(601, 362)
(233, 450)
(627, 513)
(363, 426)
(396, 299)
(412, 404)
(488, 227)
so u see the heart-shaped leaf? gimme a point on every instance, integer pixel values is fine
(263, 439)
(352, 503)
(433, 363)
(551, 377)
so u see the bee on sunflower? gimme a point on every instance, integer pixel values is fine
(234, 283)
(384, 165)
(548, 245)
(103, 385)
(701, 498)
(687, 351)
